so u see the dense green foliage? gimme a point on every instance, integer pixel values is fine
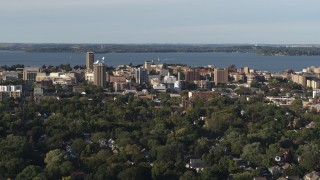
(71, 136)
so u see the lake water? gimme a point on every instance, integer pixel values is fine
(265, 63)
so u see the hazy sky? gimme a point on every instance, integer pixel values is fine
(160, 21)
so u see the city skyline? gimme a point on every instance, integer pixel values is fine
(160, 21)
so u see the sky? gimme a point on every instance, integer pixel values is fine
(160, 21)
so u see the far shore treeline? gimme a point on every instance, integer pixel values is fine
(267, 50)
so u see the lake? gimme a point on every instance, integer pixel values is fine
(265, 63)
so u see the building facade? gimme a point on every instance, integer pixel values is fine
(99, 74)
(89, 61)
(57, 78)
(142, 76)
(300, 79)
(192, 74)
(30, 73)
(10, 91)
(147, 65)
(220, 76)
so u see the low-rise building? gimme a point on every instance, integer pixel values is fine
(236, 76)
(203, 84)
(30, 73)
(159, 87)
(201, 95)
(197, 164)
(57, 78)
(312, 176)
(121, 86)
(113, 79)
(89, 77)
(9, 75)
(6, 92)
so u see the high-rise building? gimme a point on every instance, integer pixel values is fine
(192, 74)
(141, 76)
(221, 76)
(30, 73)
(89, 61)
(99, 74)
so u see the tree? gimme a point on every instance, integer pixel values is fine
(164, 170)
(57, 164)
(243, 176)
(220, 121)
(272, 151)
(294, 171)
(66, 67)
(189, 175)
(236, 141)
(253, 153)
(255, 84)
(201, 147)
(14, 150)
(243, 91)
(31, 172)
(133, 173)
(78, 145)
(309, 156)
(216, 172)
(134, 151)
(296, 105)
(106, 171)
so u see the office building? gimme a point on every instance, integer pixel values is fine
(89, 61)
(30, 73)
(99, 74)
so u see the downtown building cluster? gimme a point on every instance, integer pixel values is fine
(147, 78)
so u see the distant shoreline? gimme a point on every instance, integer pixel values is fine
(264, 50)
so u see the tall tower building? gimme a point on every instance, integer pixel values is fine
(99, 74)
(221, 76)
(89, 61)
